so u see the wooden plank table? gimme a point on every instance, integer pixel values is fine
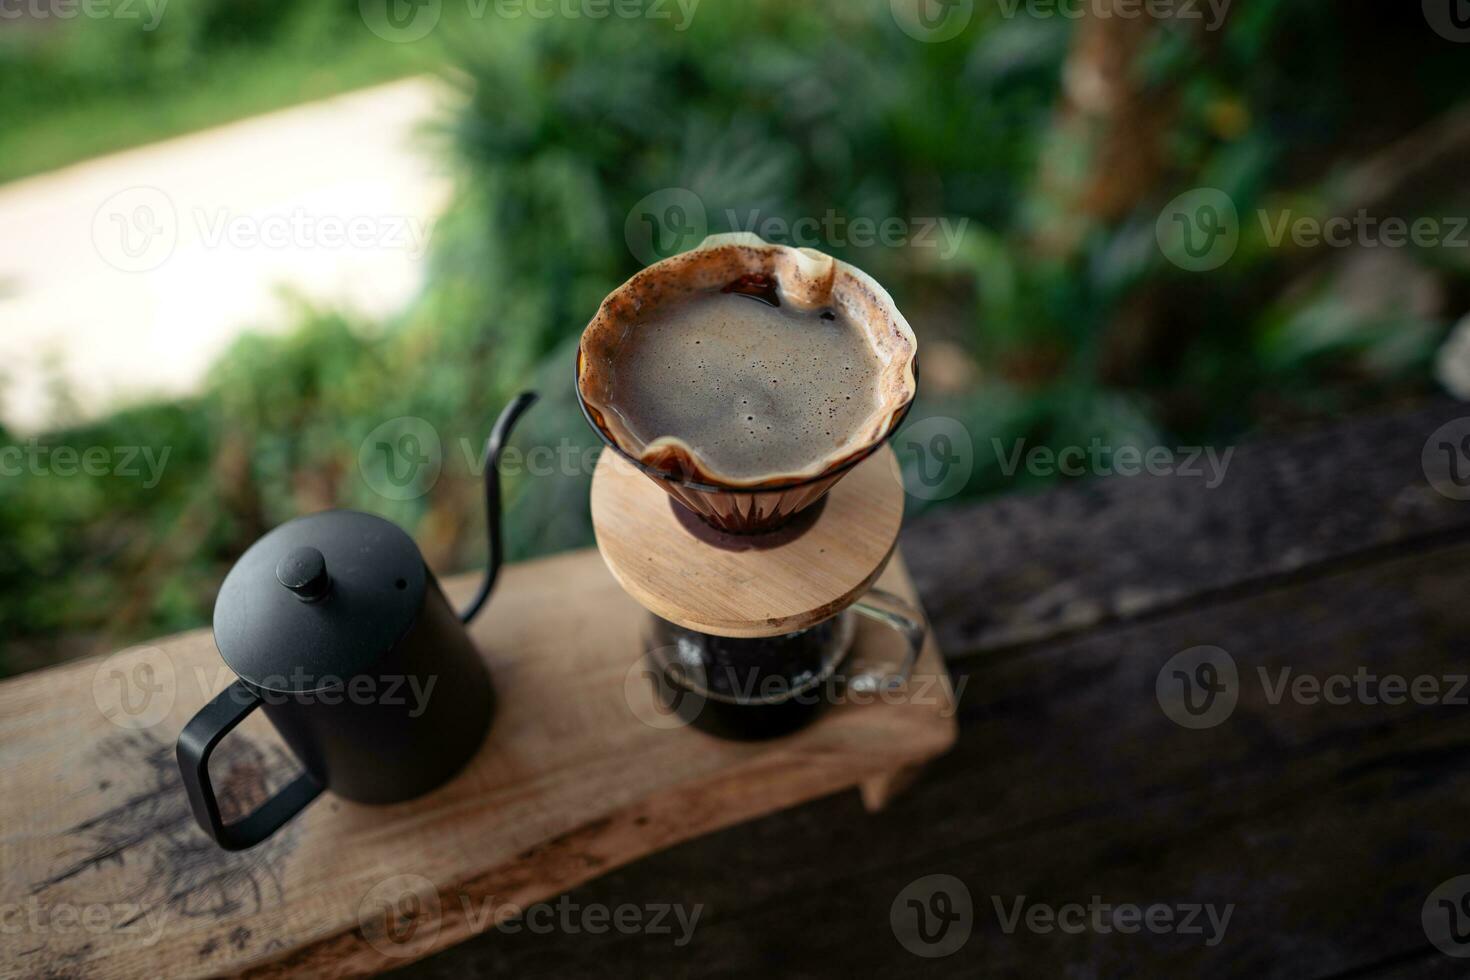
(1326, 830)
(1326, 826)
(104, 873)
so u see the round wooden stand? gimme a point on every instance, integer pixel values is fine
(680, 569)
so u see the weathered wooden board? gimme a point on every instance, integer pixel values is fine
(1024, 569)
(1326, 826)
(103, 872)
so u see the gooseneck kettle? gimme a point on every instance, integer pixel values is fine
(340, 633)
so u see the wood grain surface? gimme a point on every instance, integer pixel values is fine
(103, 872)
(730, 585)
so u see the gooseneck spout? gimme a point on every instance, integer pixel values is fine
(493, 447)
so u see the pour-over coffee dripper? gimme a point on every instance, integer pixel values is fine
(753, 585)
(805, 277)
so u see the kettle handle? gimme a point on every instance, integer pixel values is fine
(197, 741)
(493, 446)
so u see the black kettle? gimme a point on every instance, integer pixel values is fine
(340, 632)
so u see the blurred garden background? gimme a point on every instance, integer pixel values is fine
(1042, 144)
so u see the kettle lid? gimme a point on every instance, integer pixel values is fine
(318, 600)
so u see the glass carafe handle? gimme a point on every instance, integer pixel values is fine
(898, 614)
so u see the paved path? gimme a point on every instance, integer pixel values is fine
(129, 274)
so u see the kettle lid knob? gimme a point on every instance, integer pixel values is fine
(280, 613)
(304, 571)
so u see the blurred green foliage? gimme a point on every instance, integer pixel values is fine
(777, 111)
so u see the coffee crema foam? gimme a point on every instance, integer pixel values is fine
(746, 364)
(755, 387)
